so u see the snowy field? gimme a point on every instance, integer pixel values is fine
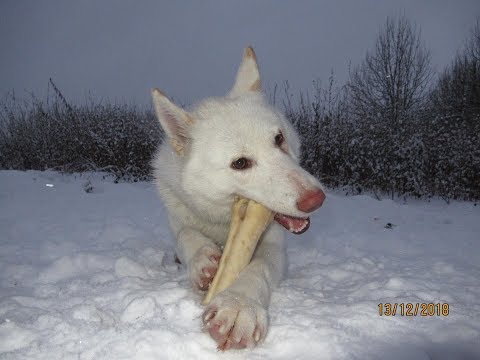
(87, 272)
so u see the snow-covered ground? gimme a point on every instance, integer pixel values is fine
(91, 275)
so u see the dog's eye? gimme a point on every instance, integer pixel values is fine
(241, 164)
(279, 139)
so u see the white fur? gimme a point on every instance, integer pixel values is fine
(195, 179)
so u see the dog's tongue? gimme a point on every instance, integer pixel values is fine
(293, 224)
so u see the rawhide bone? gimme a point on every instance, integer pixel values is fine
(249, 221)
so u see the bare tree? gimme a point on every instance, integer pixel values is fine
(457, 92)
(393, 79)
(473, 44)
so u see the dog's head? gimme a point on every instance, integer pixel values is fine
(239, 144)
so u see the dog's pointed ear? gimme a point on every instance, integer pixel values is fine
(248, 75)
(174, 120)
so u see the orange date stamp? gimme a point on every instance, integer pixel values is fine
(413, 309)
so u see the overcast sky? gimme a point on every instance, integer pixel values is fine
(118, 49)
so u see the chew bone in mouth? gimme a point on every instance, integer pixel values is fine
(249, 221)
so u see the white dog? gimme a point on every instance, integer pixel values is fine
(227, 146)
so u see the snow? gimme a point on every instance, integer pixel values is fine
(92, 276)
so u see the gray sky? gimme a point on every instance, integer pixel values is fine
(119, 49)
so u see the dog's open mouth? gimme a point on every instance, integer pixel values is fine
(293, 224)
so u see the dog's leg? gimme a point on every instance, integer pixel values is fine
(201, 256)
(237, 317)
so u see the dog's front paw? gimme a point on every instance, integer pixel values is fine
(203, 266)
(235, 321)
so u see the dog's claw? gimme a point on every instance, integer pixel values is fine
(203, 267)
(225, 346)
(215, 259)
(208, 316)
(257, 334)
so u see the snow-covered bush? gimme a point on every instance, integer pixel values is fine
(53, 134)
(424, 155)
(387, 131)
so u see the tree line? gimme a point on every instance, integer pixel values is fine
(395, 127)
